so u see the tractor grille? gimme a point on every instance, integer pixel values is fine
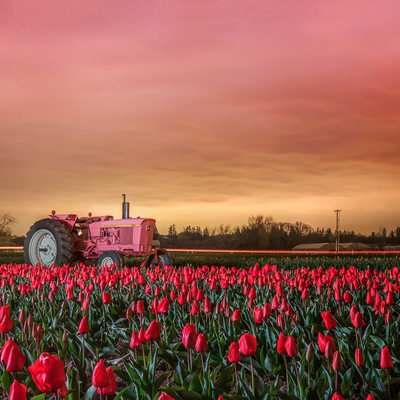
(126, 235)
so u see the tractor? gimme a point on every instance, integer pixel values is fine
(65, 238)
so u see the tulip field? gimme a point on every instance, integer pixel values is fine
(192, 332)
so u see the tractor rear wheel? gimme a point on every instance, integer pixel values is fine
(162, 258)
(48, 242)
(110, 257)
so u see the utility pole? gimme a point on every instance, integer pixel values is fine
(337, 229)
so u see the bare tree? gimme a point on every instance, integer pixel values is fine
(6, 220)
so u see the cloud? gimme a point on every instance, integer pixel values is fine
(201, 113)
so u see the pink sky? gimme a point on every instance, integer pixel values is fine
(203, 112)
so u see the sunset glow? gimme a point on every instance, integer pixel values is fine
(203, 113)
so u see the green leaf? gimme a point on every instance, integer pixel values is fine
(90, 393)
(39, 397)
(378, 341)
(346, 381)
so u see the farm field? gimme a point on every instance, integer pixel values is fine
(276, 328)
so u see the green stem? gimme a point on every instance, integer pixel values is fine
(298, 378)
(388, 381)
(252, 377)
(287, 373)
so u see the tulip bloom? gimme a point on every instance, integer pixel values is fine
(329, 321)
(135, 340)
(247, 344)
(48, 373)
(164, 396)
(83, 326)
(386, 359)
(359, 358)
(111, 387)
(106, 298)
(153, 331)
(357, 320)
(291, 347)
(234, 354)
(337, 396)
(6, 323)
(163, 306)
(16, 360)
(236, 315)
(324, 340)
(258, 315)
(337, 361)
(189, 336)
(17, 391)
(140, 307)
(280, 345)
(100, 375)
(201, 343)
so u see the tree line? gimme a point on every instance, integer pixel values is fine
(263, 233)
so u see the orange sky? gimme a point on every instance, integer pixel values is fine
(203, 112)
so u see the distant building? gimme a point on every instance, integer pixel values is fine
(331, 246)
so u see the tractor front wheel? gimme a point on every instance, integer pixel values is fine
(162, 258)
(110, 257)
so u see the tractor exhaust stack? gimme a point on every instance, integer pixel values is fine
(125, 207)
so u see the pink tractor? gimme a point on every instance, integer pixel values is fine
(65, 238)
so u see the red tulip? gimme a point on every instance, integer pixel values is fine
(100, 375)
(48, 373)
(63, 391)
(236, 315)
(329, 321)
(347, 297)
(135, 341)
(17, 391)
(140, 307)
(153, 331)
(16, 360)
(359, 358)
(234, 355)
(111, 387)
(83, 326)
(106, 298)
(284, 305)
(258, 315)
(189, 336)
(386, 359)
(5, 351)
(163, 305)
(164, 396)
(324, 340)
(201, 343)
(142, 336)
(247, 344)
(281, 344)
(337, 396)
(337, 361)
(207, 305)
(6, 323)
(291, 347)
(369, 397)
(252, 294)
(358, 320)
(267, 310)
(195, 308)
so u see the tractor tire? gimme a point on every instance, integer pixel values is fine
(110, 257)
(164, 258)
(48, 242)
